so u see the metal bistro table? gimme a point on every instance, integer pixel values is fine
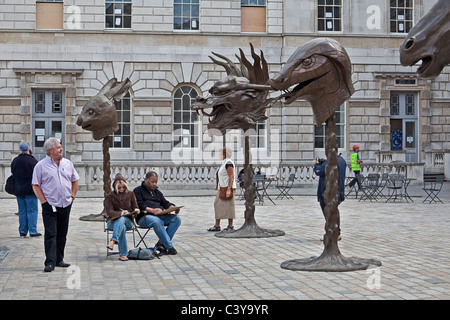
(406, 182)
(396, 184)
(261, 183)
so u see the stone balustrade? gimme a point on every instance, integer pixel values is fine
(203, 176)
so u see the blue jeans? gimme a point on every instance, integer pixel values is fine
(172, 221)
(28, 214)
(119, 228)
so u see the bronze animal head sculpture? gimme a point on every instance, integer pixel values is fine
(239, 99)
(99, 114)
(429, 41)
(320, 71)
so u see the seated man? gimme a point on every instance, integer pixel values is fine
(151, 203)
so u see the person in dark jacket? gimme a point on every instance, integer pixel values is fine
(119, 203)
(151, 203)
(319, 170)
(22, 170)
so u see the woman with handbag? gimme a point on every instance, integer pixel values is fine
(224, 206)
(119, 204)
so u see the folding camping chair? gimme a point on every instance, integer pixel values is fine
(109, 232)
(142, 235)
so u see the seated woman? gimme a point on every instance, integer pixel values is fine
(119, 203)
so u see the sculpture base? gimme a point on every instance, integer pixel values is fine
(93, 217)
(330, 263)
(250, 231)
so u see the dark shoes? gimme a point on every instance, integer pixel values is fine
(61, 264)
(49, 268)
(159, 246)
(34, 235)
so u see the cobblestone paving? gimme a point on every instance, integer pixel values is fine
(408, 238)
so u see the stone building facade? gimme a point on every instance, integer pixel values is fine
(55, 55)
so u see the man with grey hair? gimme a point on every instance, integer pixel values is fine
(55, 183)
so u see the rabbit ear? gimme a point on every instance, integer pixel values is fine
(107, 87)
(118, 91)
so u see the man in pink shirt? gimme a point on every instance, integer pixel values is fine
(55, 183)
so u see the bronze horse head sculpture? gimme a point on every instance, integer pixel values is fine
(429, 41)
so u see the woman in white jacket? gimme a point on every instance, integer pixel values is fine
(225, 209)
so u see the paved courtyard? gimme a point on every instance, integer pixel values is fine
(410, 239)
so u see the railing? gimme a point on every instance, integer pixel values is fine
(204, 176)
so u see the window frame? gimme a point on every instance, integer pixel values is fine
(394, 14)
(323, 4)
(246, 3)
(120, 121)
(121, 15)
(176, 6)
(340, 126)
(257, 139)
(194, 124)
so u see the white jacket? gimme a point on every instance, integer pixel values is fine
(222, 174)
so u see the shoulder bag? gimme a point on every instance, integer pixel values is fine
(9, 186)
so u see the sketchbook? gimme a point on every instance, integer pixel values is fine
(169, 210)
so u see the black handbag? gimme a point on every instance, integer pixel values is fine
(9, 186)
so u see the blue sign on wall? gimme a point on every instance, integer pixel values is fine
(397, 140)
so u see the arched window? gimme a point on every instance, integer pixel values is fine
(185, 121)
(319, 136)
(122, 137)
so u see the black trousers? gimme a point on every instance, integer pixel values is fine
(56, 225)
(355, 180)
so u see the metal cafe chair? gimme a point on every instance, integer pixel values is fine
(432, 186)
(285, 186)
(395, 186)
(370, 187)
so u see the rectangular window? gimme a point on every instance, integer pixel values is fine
(401, 12)
(253, 3)
(186, 14)
(122, 137)
(253, 15)
(118, 14)
(329, 15)
(258, 140)
(49, 14)
(319, 137)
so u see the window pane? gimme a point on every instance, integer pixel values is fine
(39, 102)
(184, 119)
(320, 135)
(186, 14)
(118, 13)
(329, 15)
(401, 16)
(122, 137)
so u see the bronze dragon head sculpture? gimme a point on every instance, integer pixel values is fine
(320, 72)
(429, 41)
(239, 99)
